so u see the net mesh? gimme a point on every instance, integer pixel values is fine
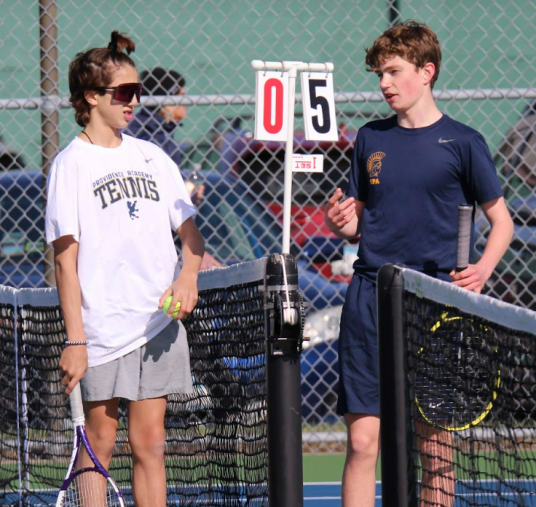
(216, 446)
(472, 388)
(90, 488)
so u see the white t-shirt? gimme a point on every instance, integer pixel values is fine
(120, 204)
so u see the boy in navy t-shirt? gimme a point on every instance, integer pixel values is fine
(408, 175)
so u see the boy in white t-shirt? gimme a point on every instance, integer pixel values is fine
(112, 204)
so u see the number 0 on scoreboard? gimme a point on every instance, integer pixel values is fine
(271, 106)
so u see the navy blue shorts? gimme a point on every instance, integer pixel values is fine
(358, 351)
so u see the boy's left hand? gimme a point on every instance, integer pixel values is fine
(183, 289)
(471, 278)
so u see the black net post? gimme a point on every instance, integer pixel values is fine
(284, 325)
(397, 467)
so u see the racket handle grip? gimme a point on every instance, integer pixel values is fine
(77, 409)
(465, 213)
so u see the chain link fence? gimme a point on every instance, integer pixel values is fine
(486, 81)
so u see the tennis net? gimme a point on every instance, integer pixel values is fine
(216, 445)
(464, 372)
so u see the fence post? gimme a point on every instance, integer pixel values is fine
(50, 137)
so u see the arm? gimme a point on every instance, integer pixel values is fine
(73, 360)
(342, 219)
(209, 262)
(184, 288)
(502, 228)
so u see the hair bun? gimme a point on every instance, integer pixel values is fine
(120, 42)
(113, 42)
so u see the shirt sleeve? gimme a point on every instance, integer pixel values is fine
(61, 216)
(480, 171)
(357, 182)
(180, 205)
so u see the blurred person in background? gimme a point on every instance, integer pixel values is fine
(9, 160)
(158, 123)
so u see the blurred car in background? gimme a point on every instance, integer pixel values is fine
(319, 365)
(237, 227)
(260, 164)
(22, 226)
(514, 278)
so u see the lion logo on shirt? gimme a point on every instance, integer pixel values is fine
(374, 166)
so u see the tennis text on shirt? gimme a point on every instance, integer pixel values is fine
(121, 205)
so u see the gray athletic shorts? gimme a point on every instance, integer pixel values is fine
(158, 368)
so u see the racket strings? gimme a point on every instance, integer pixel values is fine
(91, 489)
(456, 373)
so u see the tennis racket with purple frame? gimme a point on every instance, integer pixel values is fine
(89, 486)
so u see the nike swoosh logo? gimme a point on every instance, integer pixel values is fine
(147, 160)
(441, 140)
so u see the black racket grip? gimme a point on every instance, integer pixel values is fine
(465, 213)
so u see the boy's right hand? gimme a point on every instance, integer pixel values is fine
(339, 213)
(73, 365)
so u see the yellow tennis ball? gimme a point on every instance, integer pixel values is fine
(167, 302)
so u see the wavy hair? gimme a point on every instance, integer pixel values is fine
(94, 69)
(413, 41)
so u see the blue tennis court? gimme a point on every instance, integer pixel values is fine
(489, 493)
(328, 494)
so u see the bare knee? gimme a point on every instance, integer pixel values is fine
(363, 445)
(363, 438)
(101, 427)
(436, 465)
(148, 444)
(435, 447)
(102, 439)
(146, 433)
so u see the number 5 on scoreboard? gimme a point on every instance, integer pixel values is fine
(319, 106)
(271, 106)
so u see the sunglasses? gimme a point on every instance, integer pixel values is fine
(124, 92)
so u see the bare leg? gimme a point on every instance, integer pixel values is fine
(359, 476)
(438, 481)
(101, 428)
(147, 438)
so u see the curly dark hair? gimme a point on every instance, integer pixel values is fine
(94, 69)
(411, 40)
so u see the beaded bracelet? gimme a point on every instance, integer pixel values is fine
(84, 342)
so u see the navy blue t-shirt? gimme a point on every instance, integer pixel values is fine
(411, 181)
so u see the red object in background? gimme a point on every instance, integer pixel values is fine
(305, 221)
(260, 164)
